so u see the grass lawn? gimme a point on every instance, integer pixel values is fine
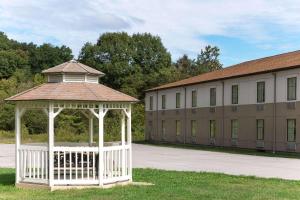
(168, 185)
(226, 149)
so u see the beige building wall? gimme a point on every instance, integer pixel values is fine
(246, 112)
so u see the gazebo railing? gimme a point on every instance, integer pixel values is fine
(74, 165)
(116, 163)
(34, 163)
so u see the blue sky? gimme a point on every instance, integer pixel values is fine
(243, 30)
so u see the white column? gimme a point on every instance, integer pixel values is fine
(129, 141)
(18, 141)
(51, 143)
(123, 142)
(101, 141)
(91, 130)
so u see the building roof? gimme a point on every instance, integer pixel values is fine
(262, 65)
(72, 91)
(72, 66)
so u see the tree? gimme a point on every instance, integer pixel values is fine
(185, 66)
(208, 60)
(46, 56)
(130, 63)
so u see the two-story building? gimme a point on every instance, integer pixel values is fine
(253, 104)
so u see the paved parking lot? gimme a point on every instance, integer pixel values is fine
(147, 156)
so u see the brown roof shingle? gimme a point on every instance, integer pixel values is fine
(268, 64)
(72, 66)
(73, 91)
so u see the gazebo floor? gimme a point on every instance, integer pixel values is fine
(68, 187)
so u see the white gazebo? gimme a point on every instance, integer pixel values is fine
(73, 85)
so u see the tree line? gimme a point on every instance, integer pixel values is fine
(131, 63)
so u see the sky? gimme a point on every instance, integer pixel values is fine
(243, 30)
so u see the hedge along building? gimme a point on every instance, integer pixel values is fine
(73, 85)
(253, 104)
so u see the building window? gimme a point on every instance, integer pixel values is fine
(194, 98)
(150, 128)
(163, 128)
(234, 94)
(291, 130)
(163, 101)
(291, 88)
(151, 103)
(178, 127)
(260, 87)
(213, 96)
(260, 129)
(212, 128)
(193, 128)
(177, 100)
(234, 129)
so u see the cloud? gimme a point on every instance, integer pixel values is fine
(182, 25)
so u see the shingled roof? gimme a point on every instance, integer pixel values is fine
(73, 91)
(262, 65)
(72, 66)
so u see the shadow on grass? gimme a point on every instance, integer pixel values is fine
(7, 178)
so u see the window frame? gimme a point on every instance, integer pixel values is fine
(213, 98)
(163, 127)
(163, 101)
(295, 130)
(151, 103)
(212, 129)
(260, 99)
(260, 128)
(233, 121)
(193, 128)
(233, 100)
(289, 98)
(178, 97)
(194, 98)
(178, 127)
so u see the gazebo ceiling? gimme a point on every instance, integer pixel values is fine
(70, 87)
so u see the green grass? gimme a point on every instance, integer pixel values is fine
(226, 149)
(168, 185)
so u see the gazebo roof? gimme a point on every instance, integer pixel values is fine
(72, 66)
(72, 91)
(66, 90)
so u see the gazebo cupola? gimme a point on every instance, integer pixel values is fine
(72, 71)
(73, 85)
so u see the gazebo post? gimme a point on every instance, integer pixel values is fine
(18, 141)
(129, 140)
(123, 142)
(100, 144)
(91, 129)
(19, 111)
(51, 143)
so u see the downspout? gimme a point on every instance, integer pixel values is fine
(274, 112)
(223, 115)
(185, 121)
(157, 113)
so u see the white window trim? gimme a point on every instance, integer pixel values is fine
(286, 85)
